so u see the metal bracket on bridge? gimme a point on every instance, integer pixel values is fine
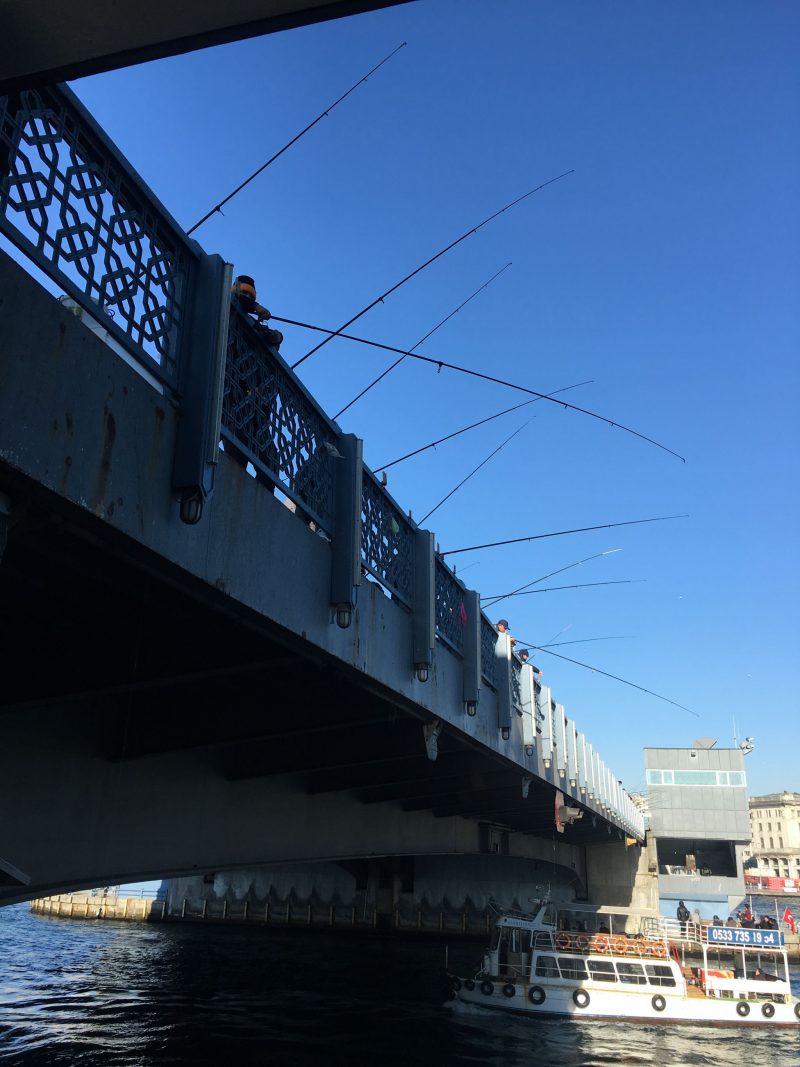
(527, 686)
(431, 731)
(202, 377)
(346, 546)
(424, 610)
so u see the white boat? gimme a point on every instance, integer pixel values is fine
(581, 962)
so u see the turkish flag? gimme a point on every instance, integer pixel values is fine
(788, 918)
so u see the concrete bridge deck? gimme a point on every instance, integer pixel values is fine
(195, 677)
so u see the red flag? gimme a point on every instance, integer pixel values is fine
(788, 918)
(559, 805)
(462, 613)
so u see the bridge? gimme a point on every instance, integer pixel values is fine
(225, 644)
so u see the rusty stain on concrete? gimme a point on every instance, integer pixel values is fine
(104, 470)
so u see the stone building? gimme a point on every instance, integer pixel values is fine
(775, 831)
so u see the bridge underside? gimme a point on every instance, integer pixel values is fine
(131, 707)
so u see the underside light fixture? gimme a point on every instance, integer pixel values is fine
(191, 508)
(505, 733)
(529, 750)
(562, 772)
(573, 782)
(422, 671)
(472, 708)
(547, 761)
(344, 616)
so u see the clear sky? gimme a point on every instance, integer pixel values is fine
(665, 269)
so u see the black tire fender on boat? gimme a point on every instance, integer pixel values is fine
(767, 1010)
(509, 989)
(536, 995)
(487, 989)
(743, 1008)
(469, 984)
(797, 1010)
(658, 1002)
(456, 984)
(581, 998)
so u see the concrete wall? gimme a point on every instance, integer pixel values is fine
(713, 812)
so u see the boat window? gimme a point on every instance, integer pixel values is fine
(631, 973)
(659, 974)
(572, 967)
(602, 970)
(546, 967)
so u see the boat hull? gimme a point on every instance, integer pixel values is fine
(586, 1002)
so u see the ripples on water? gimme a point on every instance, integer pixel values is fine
(106, 993)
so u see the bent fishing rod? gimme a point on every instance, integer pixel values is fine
(218, 207)
(474, 425)
(496, 598)
(560, 533)
(580, 585)
(615, 677)
(443, 363)
(413, 349)
(380, 299)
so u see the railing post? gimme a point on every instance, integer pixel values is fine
(201, 380)
(424, 617)
(346, 562)
(471, 651)
(503, 669)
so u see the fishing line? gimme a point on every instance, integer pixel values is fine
(443, 363)
(294, 140)
(504, 596)
(474, 425)
(427, 263)
(617, 678)
(561, 533)
(475, 470)
(430, 333)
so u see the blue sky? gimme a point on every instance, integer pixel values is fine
(665, 269)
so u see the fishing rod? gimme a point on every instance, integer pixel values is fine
(427, 263)
(475, 470)
(580, 585)
(560, 533)
(443, 363)
(617, 678)
(294, 140)
(474, 425)
(504, 596)
(430, 333)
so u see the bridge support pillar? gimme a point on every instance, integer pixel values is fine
(424, 624)
(346, 564)
(202, 362)
(503, 672)
(471, 651)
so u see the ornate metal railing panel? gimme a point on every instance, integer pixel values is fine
(516, 687)
(72, 204)
(273, 421)
(387, 540)
(451, 612)
(488, 658)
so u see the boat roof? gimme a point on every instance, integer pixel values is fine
(608, 909)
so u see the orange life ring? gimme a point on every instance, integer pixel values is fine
(562, 941)
(601, 943)
(619, 946)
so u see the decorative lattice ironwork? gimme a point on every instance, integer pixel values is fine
(516, 686)
(387, 540)
(488, 657)
(71, 203)
(451, 612)
(276, 424)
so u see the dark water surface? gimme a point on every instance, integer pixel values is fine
(75, 992)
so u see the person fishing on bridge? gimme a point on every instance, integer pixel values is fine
(243, 291)
(524, 656)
